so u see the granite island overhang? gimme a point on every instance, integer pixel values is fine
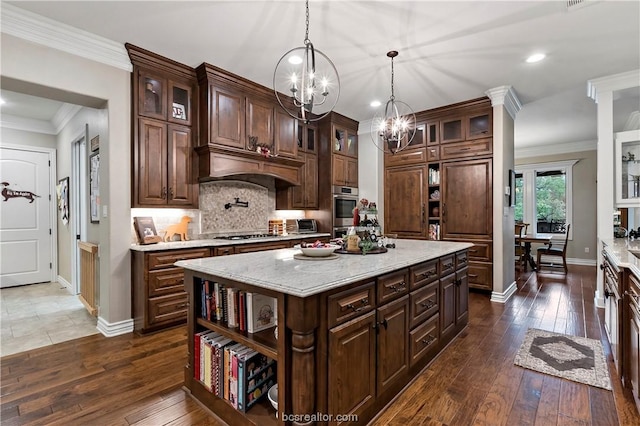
(353, 330)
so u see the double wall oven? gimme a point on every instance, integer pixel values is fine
(345, 199)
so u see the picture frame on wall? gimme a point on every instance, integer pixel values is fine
(94, 187)
(95, 143)
(512, 187)
(62, 190)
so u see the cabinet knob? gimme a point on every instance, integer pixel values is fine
(164, 192)
(171, 192)
(384, 323)
(428, 304)
(607, 293)
(602, 266)
(429, 340)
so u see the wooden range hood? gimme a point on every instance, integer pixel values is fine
(234, 110)
(217, 163)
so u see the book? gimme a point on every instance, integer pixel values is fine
(261, 312)
(216, 373)
(231, 306)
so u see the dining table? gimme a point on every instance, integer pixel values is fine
(527, 240)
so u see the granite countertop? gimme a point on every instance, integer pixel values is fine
(218, 242)
(278, 270)
(618, 249)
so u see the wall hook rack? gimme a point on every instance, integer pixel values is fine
(237, 203)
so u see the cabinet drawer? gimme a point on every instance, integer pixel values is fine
(223, 251)
(166, 259)
(447, 265)
(166, 281)
(423, 340)
(433, 153)
(406, 157)
(350, 303)
(481, 275)
(480, 251)
(423, 273)
(462, 259)
(392, 286)
(423, 304)
(466, 149)
(168, 309)
(634, 293)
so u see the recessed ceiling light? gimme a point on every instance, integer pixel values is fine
(295, 60)
(536, 57)
(375, 104)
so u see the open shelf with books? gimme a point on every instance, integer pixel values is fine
(231, 369)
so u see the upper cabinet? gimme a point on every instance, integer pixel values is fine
(345, 141)
(627, 155)
(162, 145)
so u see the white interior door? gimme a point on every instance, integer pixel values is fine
(25, 217)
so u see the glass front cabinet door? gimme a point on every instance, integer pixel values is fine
(627, 168)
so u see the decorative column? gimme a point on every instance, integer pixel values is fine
(302, 321)
(505, 105)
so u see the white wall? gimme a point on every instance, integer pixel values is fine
(44, 68)
(23, 137)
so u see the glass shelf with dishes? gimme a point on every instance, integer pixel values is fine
(433, 204)
(628, 168)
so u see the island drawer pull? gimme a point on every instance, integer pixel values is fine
(363, 302)
(429, 340)
(428, 304)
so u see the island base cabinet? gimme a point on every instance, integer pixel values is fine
(393, 335)
(352, 366)
(631, 374)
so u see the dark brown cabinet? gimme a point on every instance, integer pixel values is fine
(353, 390)
(305, 195)
(631, 373)
(613, 308)
(454, 302)
(339, 148)
(345, 171)
(225, 118)
(162, 146)
(405, 191)
(393, 351)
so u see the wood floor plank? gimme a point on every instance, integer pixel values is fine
(132, 379)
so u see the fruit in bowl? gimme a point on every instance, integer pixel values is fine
(318, 249)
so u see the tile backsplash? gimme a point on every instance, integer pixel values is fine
(213, 219)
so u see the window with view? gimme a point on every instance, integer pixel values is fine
(544, 196)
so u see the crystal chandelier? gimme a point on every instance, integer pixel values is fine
(306, 82)
(394, 125)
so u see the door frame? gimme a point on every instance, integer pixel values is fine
(79, 201)
(53, 218)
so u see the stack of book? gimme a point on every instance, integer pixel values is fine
(232, 371)
(247, 311)
(434, 231)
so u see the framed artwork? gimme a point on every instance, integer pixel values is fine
(94, 187)
(62, 190)
(179, 112)
(512, 187)
(145, 230)
(95, 143)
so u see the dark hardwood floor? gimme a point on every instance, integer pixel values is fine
(128, 380)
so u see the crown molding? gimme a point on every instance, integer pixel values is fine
(612, 83)
(56, 35)
(633, 122)
(505, 95)
(8, 121)
(64, 115)
(554, 149)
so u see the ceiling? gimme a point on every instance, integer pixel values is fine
(449, 51)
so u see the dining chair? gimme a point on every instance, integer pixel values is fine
(520, 251)
(556, 252)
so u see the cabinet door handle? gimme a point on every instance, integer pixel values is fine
(384, 323)
(602, 266)
(171, 192)
(444, 212)
(467, 148)
(607, 293)
(423, 212)
(164, 192)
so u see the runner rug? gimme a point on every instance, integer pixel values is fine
(574, 358)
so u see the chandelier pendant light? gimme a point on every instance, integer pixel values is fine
(394, 125)
(306, 82)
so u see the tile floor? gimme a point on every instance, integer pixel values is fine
(39, 315)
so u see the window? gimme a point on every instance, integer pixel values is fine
(544, 196)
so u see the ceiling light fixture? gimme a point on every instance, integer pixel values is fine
(394, 125)
(306, 82)
(536, 58)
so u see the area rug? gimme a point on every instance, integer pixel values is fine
(570, 357)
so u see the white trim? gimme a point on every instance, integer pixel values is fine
(598, 300)
(56, 35)
(53, 216)
(505, 95)
(556, 148)
(612, 83)
(66, 284)
(633, 122)
(64, 115)
(15, 122)
(504, 296)
(114, 329)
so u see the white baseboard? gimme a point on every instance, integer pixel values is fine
(116, 328)
(66, 284)
(584, 262)
(505, 295)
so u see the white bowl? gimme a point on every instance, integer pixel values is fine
(324, 251)
(273, 397)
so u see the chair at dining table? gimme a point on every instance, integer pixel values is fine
(520, 250)
(556, 252)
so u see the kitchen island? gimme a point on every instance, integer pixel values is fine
(353, 330)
